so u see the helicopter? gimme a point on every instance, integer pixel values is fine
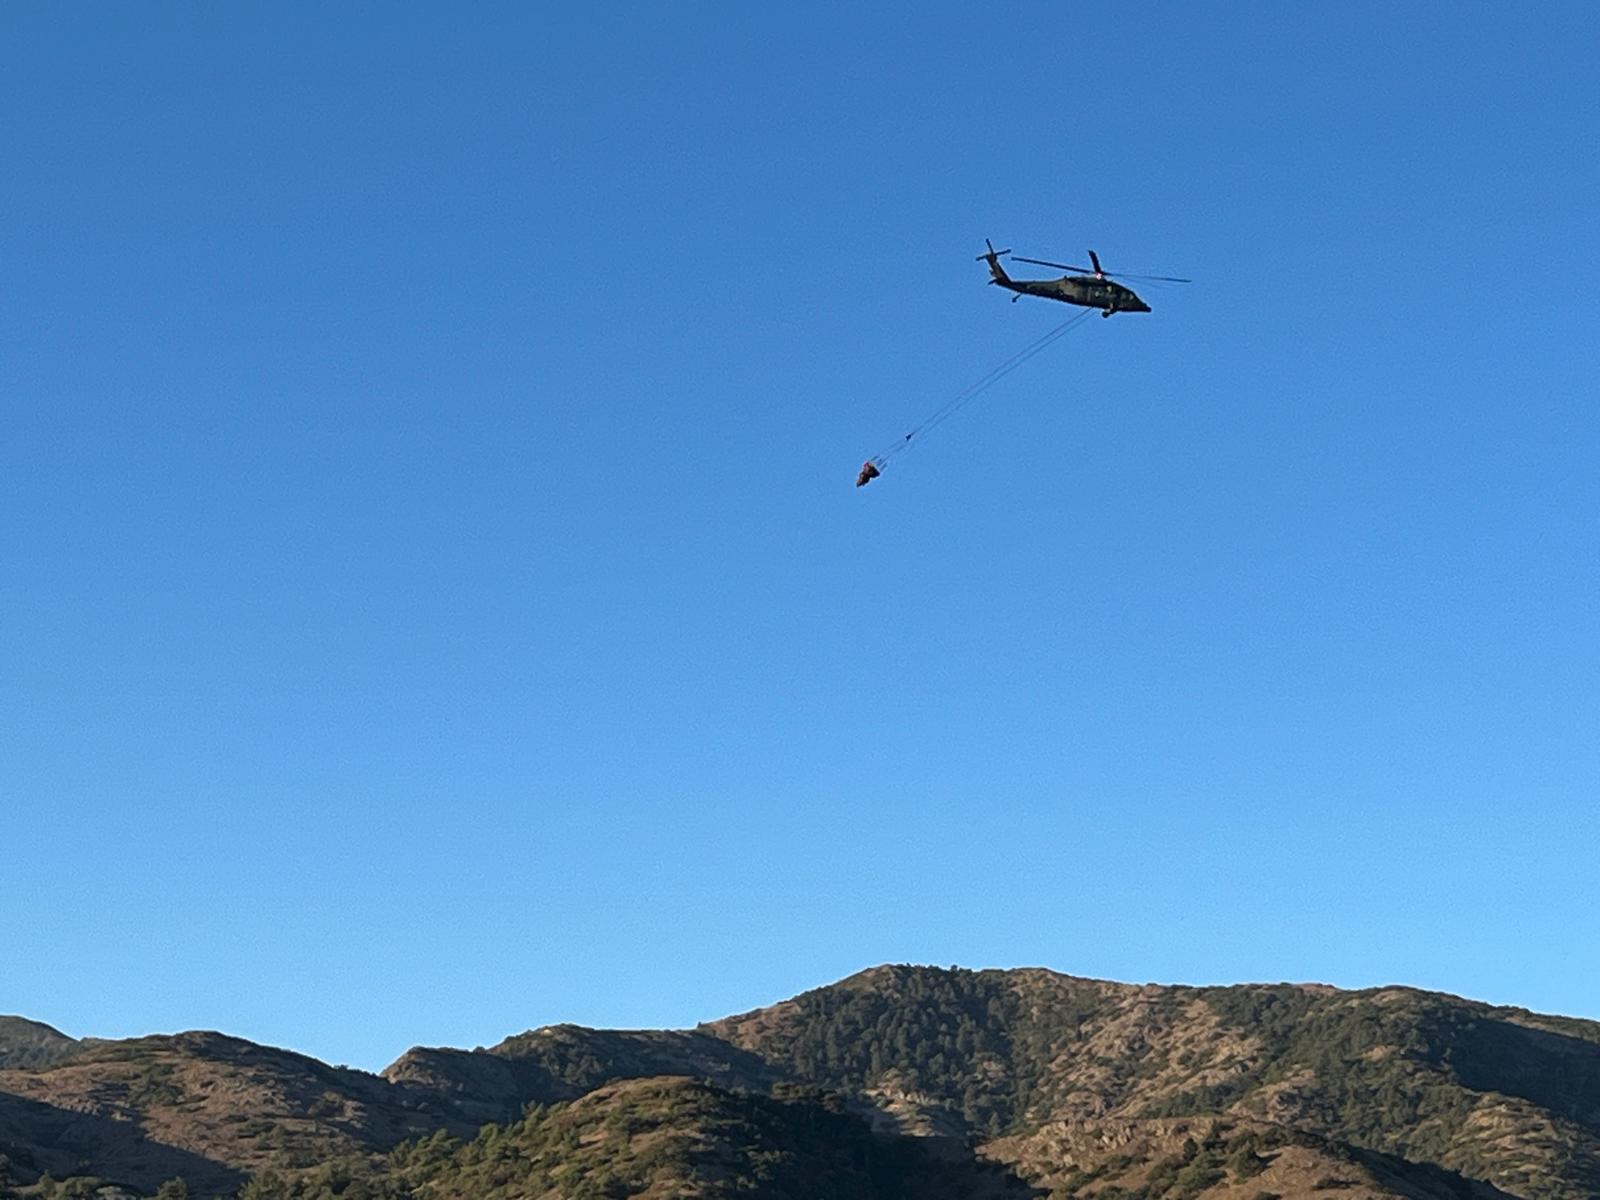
(1098, 290)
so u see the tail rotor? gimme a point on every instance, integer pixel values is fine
(997, 273)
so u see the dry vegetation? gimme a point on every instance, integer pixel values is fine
(1019, 1083)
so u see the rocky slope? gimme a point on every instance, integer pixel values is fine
(25, 1043)
(1499, 1095)
(209, 1108)
(1079, 1087)
(561, 1062)
(669, 1137)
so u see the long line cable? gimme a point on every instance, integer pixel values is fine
(973, 390)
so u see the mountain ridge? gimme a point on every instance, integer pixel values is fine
(25, 1043)
(996, 1062)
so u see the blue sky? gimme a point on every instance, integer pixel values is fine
(435, 602)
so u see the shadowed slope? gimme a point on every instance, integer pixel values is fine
(1011, 1059)
(674, 1137)
(1500, 1095)
(38, 1138)
(228, 1106)
(560, 1062)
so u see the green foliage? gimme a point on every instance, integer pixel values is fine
(1208, 1098)
(1161, 1177)
(1403, 1072)
(1196, 1177)
(154, 1084)
(963, 1037)
(1244, 1159)
(668, 1134)
(1495, 1094)
(268, 1185)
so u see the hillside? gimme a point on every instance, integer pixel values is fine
(1217, 1159)
(1497, 1094)
(1083, 1088)
(25, 1043)
(561, 1062)
(210, 1108)
(675, 1137)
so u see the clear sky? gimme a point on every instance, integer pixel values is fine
(434, 601)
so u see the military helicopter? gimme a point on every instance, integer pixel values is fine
(1091, 291)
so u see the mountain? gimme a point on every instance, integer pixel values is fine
(1022, 1082)
(1219, 1159)
(209, 1108)
(1497, 1094)
(671, 1137)
(561, 1062)
(25, 1043)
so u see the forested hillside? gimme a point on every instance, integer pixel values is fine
(1020, 1082)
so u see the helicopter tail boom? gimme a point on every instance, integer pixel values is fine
(992, 257)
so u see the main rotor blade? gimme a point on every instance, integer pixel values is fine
(1039, 262)
(1042, 262)
(1151, 278)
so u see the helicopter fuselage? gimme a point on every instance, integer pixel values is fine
(1087, 290)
